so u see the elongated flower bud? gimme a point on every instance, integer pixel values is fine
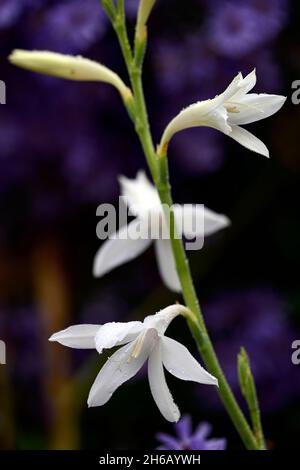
(144, 11)
(68, 67)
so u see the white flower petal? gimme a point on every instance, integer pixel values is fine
(77, 336)
(180, 363)
(159, 388)
(120, 367)
(117, 250)
(195, 220)
(115, 334)
(209, 113)
(140, 194)
(245, 85)
(230, 91)
(166, 264)
(213, 222)
(249, 140)
(161, 320)
(254, 107)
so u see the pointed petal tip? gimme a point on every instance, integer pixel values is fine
(215, 381)
(96, 269)
(176, 418)
(225, 221)
(264, 152)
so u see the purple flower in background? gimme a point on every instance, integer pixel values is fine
(72, 26)
(237, 28)
(10, 11)
(232, 30)
(257, 320)
(183, 63)
(186, 439)
(272, 15)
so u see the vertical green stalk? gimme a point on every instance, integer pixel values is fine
(159, 171)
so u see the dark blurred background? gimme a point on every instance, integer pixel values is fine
(62, 146)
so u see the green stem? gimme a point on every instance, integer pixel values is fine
(134, 70)
(159, 172)
(198, 327)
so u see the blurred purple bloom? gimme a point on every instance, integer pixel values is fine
(232, 30)
(272, 15)
(256, 319)
(186, 439)
(237, 28)
(181, 64)
(9, 12)
(72, 26)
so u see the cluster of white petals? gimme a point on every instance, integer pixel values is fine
(139, 342)
(143, 200)
(227, 112)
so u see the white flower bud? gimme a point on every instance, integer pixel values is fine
(144, 11)
(68, 67)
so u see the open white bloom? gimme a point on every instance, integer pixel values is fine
(142, 340)
(227, 112)
(69, 67)
(143, 200)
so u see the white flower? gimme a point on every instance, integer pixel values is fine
(69, 67)
(143, 200)
(142, 340)
(226, 112)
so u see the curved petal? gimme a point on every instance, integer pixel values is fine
(159, 388)
(166, 264)
(140, 194)
(161, 320)
(245, 85)
(249, 140)
(180, 363)
(119, 249)
(120, 367)
(254, 107)
(232, 89)
(195, 220)
(115, 334)
(77, 336)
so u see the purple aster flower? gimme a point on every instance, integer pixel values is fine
(186, 439)
(232, 29)
(272, 15)
(10, 11)
(238, 28)
(72, 26)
